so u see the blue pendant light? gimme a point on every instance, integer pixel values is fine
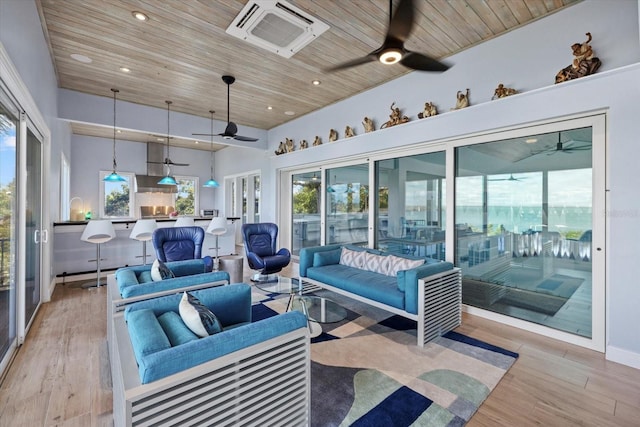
(168, 180)
(113, 176)
(212, 183)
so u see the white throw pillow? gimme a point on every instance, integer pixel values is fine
(352, 258)
(198, 317)
(376, 263)
(398, 264)
(159, 271)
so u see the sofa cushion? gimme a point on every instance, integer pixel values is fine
(327, 258)
(175, 329)
(377, 287)
(351, 258)
(198, 317)
(376, 263)
(146, 334)
(145, 277)
(159, 271)
(397, 264)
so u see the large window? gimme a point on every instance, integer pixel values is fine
(306, 199)
(116, 198)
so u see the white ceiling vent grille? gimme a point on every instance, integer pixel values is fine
(276, 26)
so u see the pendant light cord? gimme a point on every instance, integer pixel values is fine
(211, 166)
(168, 129)
(115, 91)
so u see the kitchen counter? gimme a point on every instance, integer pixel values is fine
(73, 256)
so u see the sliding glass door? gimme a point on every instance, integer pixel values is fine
(306, 203)
(524, 226)
(410, 201)
(35, 235)
(9, 126)
(347, 205)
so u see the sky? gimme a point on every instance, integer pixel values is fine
(7, 155)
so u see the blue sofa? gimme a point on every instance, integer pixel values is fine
(164, 374)
(429, 293)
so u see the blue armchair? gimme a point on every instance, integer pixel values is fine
(260, 246)
(178, 243)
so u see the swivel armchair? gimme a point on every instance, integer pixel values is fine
(178, 243)
(260, 247)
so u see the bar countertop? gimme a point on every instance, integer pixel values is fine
(133, 220)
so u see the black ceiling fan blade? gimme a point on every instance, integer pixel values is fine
(244, 138)
(401, 22)
(420, 62)
(204, 134)
(354, 62)
(155, 163)
(231, 129)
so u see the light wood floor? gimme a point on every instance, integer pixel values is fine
(60, 376)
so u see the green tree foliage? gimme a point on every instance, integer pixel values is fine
(185, 200)
(7, 202)
(306, 201)
(117, 202)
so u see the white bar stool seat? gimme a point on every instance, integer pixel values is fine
(97, 231)
(142, 232)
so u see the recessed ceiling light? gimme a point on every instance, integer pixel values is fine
(316, 82)
(140, 16)
(269, 107)
(81, 58)
(289, 113)
(531, 140)
(125, 70)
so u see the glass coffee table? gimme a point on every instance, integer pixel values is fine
(319, 309)
(280, 285)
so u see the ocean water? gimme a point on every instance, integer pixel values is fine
(573, 220)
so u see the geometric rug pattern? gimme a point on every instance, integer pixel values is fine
(368, 371)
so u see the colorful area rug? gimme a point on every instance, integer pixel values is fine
(368, 371)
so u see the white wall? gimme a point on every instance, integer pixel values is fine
(22, 37)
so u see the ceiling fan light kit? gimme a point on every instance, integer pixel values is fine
(392, 50)
(113, 176)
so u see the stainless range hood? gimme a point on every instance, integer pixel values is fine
(149, 183)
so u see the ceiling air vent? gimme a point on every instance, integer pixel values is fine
(276, 26)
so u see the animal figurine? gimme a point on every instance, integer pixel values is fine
(348, 132)
(583, 64)
(462, 100)
(281, 149)
(333, 135)
(289, 145)
(429, 110)
(502, 91)
(304, 144)
(368, 125)
(395, 118)
(317, 141)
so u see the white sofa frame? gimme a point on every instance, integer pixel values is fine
(264, 384)
(439, 303)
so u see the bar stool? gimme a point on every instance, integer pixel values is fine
(142, 232)
(217, 227)
(184, 221)
(97, 231)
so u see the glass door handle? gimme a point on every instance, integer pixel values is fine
(35, 236)
(45, 236)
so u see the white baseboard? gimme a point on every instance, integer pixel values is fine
(624, 357)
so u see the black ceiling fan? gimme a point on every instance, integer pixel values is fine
(167, 160)
(392, 50)
(231, 130)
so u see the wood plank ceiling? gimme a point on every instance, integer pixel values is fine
(182, 51)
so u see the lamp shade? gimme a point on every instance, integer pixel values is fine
(167, 180)
(212, 183)
(217, 226)
(98, 231)
(143, 229)
(114, 177)
(184, 221)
